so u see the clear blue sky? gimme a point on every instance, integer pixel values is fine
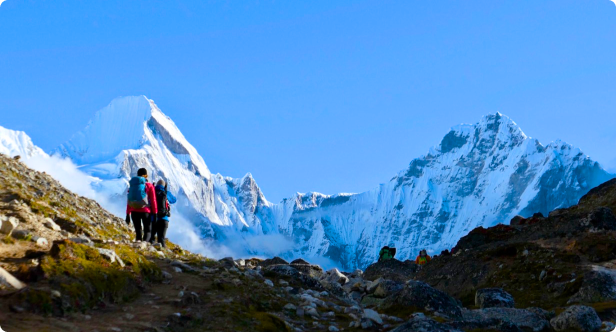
(329, 96)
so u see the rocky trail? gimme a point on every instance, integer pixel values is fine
(66, 264)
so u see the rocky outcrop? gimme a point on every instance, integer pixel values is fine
(577, 318)
(422, 297)
(597, 287)
(391, 269)
(493, 298)
(420, 323)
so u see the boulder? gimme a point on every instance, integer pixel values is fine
(8, 224)
(40, 241)
(228, 262)
(577, 318)
(420, 323)
(185, 267)
(501, 319)
(373, 316)
(334, 276)
(422, 296)
(111, 256)
(391, 269)
(493, 298)
(21, 234)
(387, 288)
(8, 280)
(273, 261)
(597, 286)
(51, 225)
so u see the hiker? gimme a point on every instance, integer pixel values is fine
(141, 205)
(386, 253)
(163, 199)
(423, 258)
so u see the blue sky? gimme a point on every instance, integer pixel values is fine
(329, 96)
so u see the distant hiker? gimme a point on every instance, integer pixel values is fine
(423, 258)
(386, 253)
(163, 199)
(141, 205)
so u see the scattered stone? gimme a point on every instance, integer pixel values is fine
(81, 240)
(8, 280)
(310, 311)
(56, 294)
(421, 295)
(183, 266)
(21, 234)
(8, 224)
(290, 307)
(273, 261)
(129, 316)
(228, 262)
(177, 269)
(269, 283)
(391, 269)
(283, 282)
(111, 256)
(419, 322)
(167, 275)
(51, 225)
(493, 298)
(501, 319)
(373, 316)
(299, 261)
(577, 318)
(332, 328)
(40, 241)
(300, 312)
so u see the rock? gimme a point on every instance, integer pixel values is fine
(190, 298)
(312, 312)
(597, 287)
(228, 262)
(420, 323)
(51, 225)
(334, 276)
(111, 256)
(493, 298)
(300, 312)
(373, 316)
(167, 275)
(185, 267)
(81, 240)
(577, 318)
(420, 295)
(40, 241)
(177, 269)
(501, 319)
(290, 307)
(391, 269)
(299, 261)
(240, 262)
(269, 283)
(8, 280)
(21, 234)
(386, 288)
(283, 283)
(273, 261)
(332, 328)
(140, 245)
(8, 224)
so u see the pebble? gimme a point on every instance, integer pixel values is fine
(332, 328)
(269, 283)
(177, 269)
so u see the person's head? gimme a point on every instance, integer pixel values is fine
(142, 172)
(161, 183)
(423, 253)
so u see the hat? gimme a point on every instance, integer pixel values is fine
(161, 183)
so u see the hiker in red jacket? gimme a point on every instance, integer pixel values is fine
(141, 205)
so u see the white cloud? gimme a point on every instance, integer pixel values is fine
(1, 1)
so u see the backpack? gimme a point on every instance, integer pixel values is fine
(161, 202)
(137, 197)
(387, 253)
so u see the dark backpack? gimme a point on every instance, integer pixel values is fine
(137, 197)
(161, 201)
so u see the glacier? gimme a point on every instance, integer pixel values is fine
(479, 175)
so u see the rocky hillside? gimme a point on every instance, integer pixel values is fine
(66, 264)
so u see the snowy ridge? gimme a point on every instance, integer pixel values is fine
(18, 143)
(479, 175)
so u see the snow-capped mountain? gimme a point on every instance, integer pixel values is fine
(479, 175)
(18, 143)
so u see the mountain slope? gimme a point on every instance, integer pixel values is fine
(18, 143)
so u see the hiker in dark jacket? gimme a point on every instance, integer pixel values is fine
(163, 200)
(141, 205)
